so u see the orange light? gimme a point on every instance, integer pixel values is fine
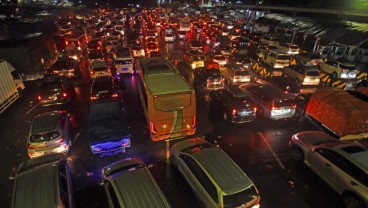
(39, 97)
(152, 128)
(234, 111)
(115, 95)
(64, 94)
(194, 122)
(255, 109)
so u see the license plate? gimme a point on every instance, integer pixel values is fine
(125, 69)
(285, 110)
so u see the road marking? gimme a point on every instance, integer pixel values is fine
(32, 109)
(273, 152)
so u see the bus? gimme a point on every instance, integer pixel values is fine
(184, 24)
(169, 101)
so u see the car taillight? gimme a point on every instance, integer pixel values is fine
(293, 106)
(39, 97)
(152, 128)
(115, 95)
(275, 108)
(233, 112)
(255, 109)
(61, 140)
(65, 95)
(194, 122)
(30, 146)
(93, 98)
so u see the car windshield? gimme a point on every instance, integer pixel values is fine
(313, 73)
(242, 51)
(282, 103)
(240, 198)
(102, 85)
(100, 69)
(242, 73)
(128, 61)
(43, 137)
(283, 57)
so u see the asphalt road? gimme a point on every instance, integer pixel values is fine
(260, 149)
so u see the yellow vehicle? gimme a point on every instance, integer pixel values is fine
(169, 101)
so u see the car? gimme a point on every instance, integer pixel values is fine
(276, 58)
(72, 52)
(308, 59)
(102, 88)
(94, 55)
(289, 48)
(210, 78)
(45, 181)
(129, 183)
(99, 68)
(181, 35)
(216, 180)
(289, 86)
(233, 105)
(240, 56)
(235, 74)
(219, 58)
(151, 47)
(272, 102)
(50, 132)
(195, 45)
(194, 59)
(304, 75)
(339, 68)
(341, 164)
(138, 50)
(55, 91)
(151, 40)
(64, 67)
(169, 37)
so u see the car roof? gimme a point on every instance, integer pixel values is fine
(45, 122)
(41, 173)
(217, 164)
(134, 184)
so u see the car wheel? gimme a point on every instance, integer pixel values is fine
(352, 201)
(297, 153)
(334, 75)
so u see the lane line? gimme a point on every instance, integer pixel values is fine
(32, 108)
(273, 152)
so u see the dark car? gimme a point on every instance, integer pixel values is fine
(210, 79)
(240, 55)
(233, 105)
(288, 86)
(55, 92)
(103, 88)
(64, 67)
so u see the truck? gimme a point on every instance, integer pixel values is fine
(339, 112)
(108, 130)
(10, 87)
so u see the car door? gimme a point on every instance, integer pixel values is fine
(202, 186)
(322, 162)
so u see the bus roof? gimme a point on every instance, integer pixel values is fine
(166, 84)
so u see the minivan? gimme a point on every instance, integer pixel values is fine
(216, 180)
(43, 182)
(235, 74)
(129, 184)
(123, 61)
(289, 48)
(304, 75)
(276, 58)
(273, 103)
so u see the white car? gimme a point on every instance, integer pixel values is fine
(341, 164)
(214, 177)
(169, 37)
(138, 51)
(99, 68)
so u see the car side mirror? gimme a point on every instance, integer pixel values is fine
(102, 183)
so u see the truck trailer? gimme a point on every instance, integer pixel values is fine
(10, 87)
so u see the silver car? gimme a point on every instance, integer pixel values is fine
(50, 132)
(341, 164)
(214, 177)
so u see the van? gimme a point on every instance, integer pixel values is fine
(235, 74)
(43, 182)
(303, 75)
(129, 184)
(289, 48)
(276, 58)
(216, 180)
(272, 102)
(123, 61)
